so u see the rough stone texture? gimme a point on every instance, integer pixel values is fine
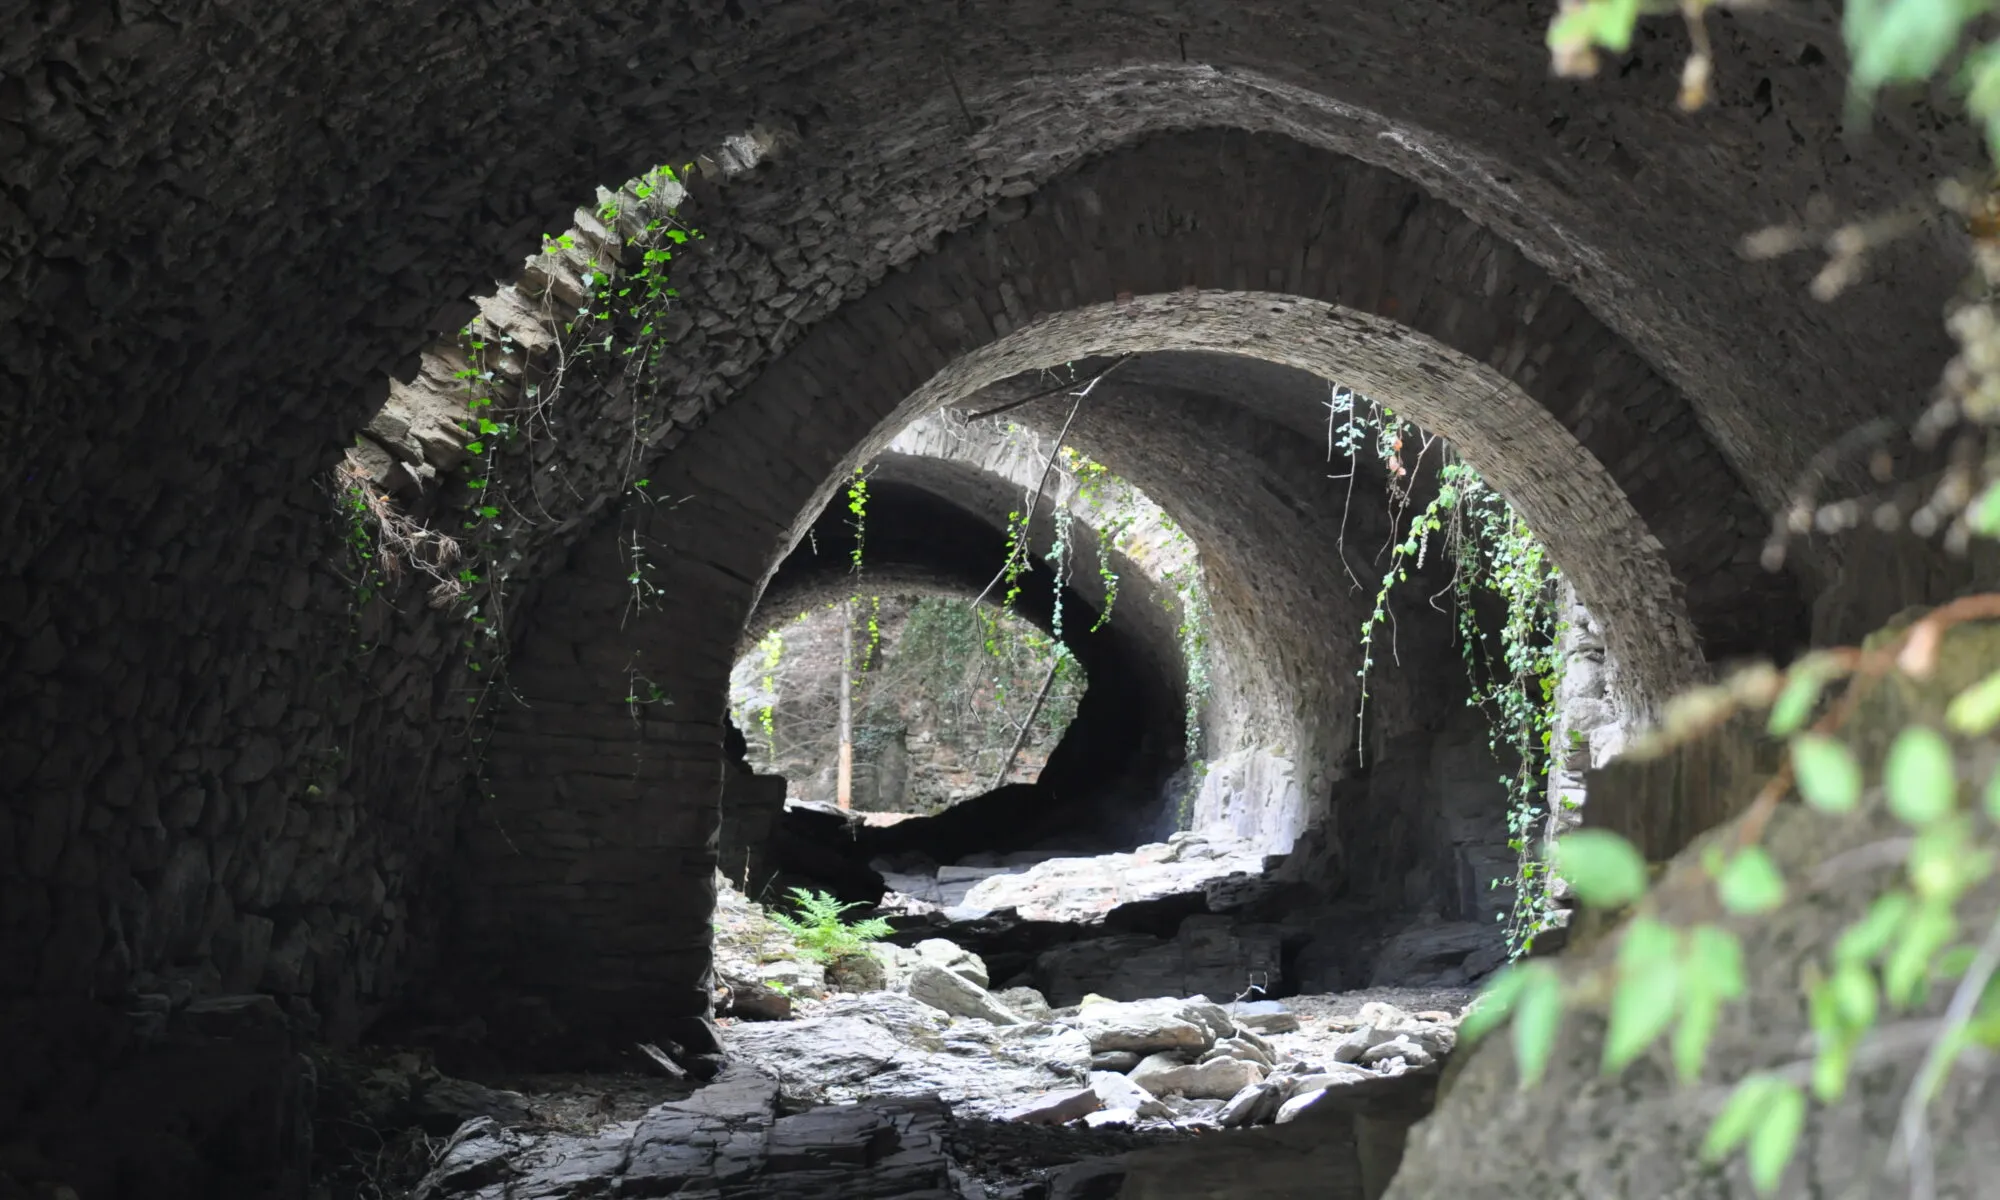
(224, 224)
(728, 1140)
(1581, 1134)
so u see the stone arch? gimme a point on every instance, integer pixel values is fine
(1379, 277)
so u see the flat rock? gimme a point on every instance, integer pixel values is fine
(1264, 1016)
(1148, 1026)
(1116, 1091)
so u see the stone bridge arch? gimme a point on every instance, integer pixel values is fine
(1249, 244)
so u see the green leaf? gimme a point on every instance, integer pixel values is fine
(1494, 1004)
(475, 447)
(1642, 1006)
(1993, 796)
(1853, 989)
(1829, 778)
(1738, 1117)
(1691, 1037)
(1803, 684)
(1606, 23)
(1751, 883)
(1900, 41)
(1929, 929)
(1537, 1017)
(1918, 776)
(1715, 962)
(1602, 868)
(1776, 1136)
(1976, 709)
(1870, 936)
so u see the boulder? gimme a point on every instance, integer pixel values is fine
(1243, 1048)
(1338, 1075)
(796, 977)
(941, 953)
(1120, 1061)
(1253, 1105)
(862, 971)
(1353, 1045)
(1057, 1108)
(755, 1001)
(1149, 1026)
(957, 995)
(1264, 1016)
(1116, 1091)
(1289, 1111)
(1056, 1048)
(1026, 1002)
(1168, 1073)
(1400, 1046)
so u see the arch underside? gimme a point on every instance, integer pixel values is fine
(1463, 224)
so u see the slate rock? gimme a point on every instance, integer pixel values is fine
(1057, 1108)
(1150, 1026)
(1264, 1016)
(1168, 1073)
(957, 995)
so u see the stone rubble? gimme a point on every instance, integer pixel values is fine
(867, 1087)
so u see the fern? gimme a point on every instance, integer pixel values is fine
(821, 933)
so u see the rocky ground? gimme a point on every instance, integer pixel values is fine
(899, 1073)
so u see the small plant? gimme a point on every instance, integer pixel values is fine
(821, 933)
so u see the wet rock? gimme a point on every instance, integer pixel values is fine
(1057, 1108)
(1120, 1061)
(957, 995)
(446, 1104)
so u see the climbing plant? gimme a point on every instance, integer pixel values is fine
(1513, 674)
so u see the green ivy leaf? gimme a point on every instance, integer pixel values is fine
(1853, 989)
(1604, 869)
(1900, 41)
(1918, 776)
(1642, 1006)
(1870, 936)
(1738, 1117)
(1829, 778)
(1751, 883)
(1776, 1136)
(1929, 929)
(1699, 1013)
(1794, 704)
(1976, 709)
(1495, 1003)
(475, 447)
(1537, 1017)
